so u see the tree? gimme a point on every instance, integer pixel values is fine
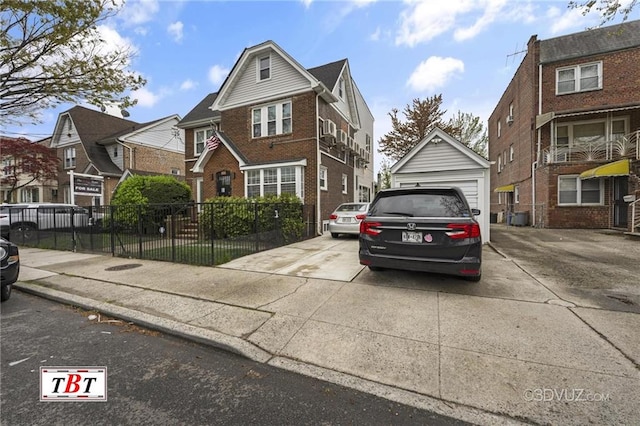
(51, 52)
(608, 9)
(469, 130)
(384, 175)
(421, 117)
(151, 190)
(26, 162)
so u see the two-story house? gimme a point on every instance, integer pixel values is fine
(94, 143)
(27, 189)
(276, 127)
(564, 137)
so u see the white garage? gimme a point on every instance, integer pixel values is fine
(441, 160)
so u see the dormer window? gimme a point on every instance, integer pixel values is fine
(264, 68)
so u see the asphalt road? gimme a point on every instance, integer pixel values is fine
(155, 379)
(596, 268)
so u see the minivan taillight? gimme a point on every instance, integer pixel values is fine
(369, 228)
(463, 230)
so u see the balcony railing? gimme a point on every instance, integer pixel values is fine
(627, 146)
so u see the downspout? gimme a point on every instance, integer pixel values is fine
(534, 164)
(317, 171)
(131, 150)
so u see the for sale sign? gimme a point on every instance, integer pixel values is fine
(73, 383)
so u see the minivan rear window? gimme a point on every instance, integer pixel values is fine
(440, 204)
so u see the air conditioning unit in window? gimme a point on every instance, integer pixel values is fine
(328, 129)
(510, 119)
(343, 136)
(350, 144)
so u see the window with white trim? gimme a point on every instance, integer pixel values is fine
(367, 142)
(30, 195)
(590, 132)
(499, 163)
(579, 78)
(499, 128)
(264, 68)
(344, 183)
(200, 138)
(69, 158)
(511, 154)
(7, 166)
(516, 194)
(575, 191)
(271, 120)
(274, 181)
(323, 178)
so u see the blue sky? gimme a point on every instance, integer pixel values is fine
(466, 50)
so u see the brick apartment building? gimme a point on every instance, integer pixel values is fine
(564, 137)
(282, 129)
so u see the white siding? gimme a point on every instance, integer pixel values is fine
(117, 160)
(68, 135)
(161, 136)
(438, 157)
(365, 176)
(284, 79)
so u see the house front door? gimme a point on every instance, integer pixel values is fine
(223, 183)
(620, 207)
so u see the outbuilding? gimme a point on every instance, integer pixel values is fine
(441, 160)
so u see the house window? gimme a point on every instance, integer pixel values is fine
(201, 137)
(579, 78)
(272, 120)
(264, 68)
(7, 166)
(367, 142)
(69, 158)
(499, 128)
(618, 129)
(575, 191)
(323, 178)
(511, 110)
(30, 195)
(499, 163)
(590, 132)
(115, 151)
(364, 194)
(175, 172)
(341, 88)
(275, 181)
(516, 194)
(344, 183)
(511, 152)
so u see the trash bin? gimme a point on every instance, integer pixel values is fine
(520, 219)
(509, 218)
(493, 218)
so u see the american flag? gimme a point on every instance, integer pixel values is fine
(213, 142)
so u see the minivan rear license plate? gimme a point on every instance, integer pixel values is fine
(411, 237)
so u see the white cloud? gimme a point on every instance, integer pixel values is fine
(376, 35)
(139, 12)
(145, 97)
(562, 22)
(433, 73)
(113, 41)
(217, 74)
(422, 21)
(306, 3)
(188, 85)
(176, 31)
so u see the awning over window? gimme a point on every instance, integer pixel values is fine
(617, 168)
(505, 188)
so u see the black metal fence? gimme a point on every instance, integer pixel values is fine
(198, 234)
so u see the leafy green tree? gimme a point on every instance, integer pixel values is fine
(384, 175)
(608, 9)
(469, 130)
(51, 52)
(420, 118)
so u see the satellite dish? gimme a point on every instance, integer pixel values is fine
(103, 108)
(124, 112)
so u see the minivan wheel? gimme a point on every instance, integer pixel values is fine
(375, 268)
(6, 292)
(334, 235)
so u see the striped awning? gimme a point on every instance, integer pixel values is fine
(617, 168)
(505, 188)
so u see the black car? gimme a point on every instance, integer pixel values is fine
(428, 229)
(9, 266)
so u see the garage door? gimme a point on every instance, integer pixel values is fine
(469, 189)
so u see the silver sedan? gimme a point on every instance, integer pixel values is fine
(346, 218)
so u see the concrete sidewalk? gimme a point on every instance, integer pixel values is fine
(503, 351)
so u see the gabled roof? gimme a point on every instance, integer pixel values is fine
(248, 53)
(591, 42)
(206, 154)
(328, 73)
(201, 113)
(444, 137)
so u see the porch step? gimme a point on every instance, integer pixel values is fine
(189, 232)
